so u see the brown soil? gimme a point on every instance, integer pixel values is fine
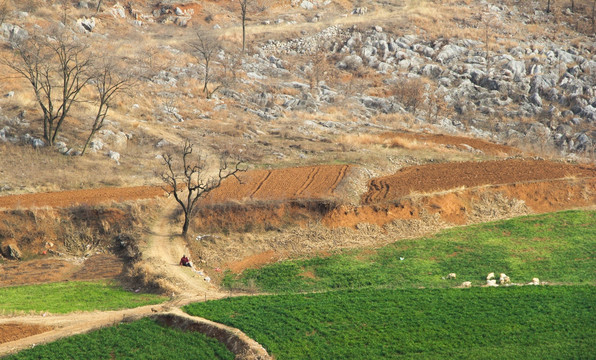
(464, 206)
(101, 266)
(250, 217)
(439, 177)
(253, 261)
(74, 197)
(311, 182)
(12, 332)
(459, 142)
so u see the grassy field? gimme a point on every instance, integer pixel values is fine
(65, 297)
(143, 339)
(556, 248)
(530, 322)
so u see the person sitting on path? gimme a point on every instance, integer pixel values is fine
(184, 261)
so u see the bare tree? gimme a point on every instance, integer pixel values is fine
(243, 11)
(206, 47)
(593, 13)
(548, 6)
(318, 67)
(410, 92)
(191, 177)
(107, 82)
(57, 68)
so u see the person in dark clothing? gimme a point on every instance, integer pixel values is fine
(184, 261)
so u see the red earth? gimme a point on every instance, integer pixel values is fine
(439, 177)
(79, 197)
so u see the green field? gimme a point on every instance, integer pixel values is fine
(143, 339)
(557, 248)
(65, 297)
(530, 322)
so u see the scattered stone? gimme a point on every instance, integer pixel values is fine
(86, 24)
(536, 100)
(350, 62)
(11, 251)
(360, 11)
(307, 5)
(162, 143)
(114, 156)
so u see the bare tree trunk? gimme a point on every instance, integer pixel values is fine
(186, 224)
(57, 71)
(243, 33)
(593, 13)
(243, 10)
(205, 88)
(192, 175)
(107, 83)
(548, 6)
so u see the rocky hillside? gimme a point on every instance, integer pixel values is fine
(314, 72)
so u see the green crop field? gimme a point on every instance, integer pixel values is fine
(557, 248)
(530, 322)
(65, 297)
(143, 339)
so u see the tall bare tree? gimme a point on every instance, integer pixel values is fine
(593, 19)
(191, 177)
(57, 67)
(108, 81)
(206, 47)
(243, 11)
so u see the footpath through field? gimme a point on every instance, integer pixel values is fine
(162, 252)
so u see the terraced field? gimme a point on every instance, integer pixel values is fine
(74, 197)
(311, 182)
(440, 177)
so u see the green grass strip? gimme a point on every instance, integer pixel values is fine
(530, 322)
(557, 248)
(143, 339)
(65, 297)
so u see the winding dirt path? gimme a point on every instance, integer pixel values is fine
(162, 251)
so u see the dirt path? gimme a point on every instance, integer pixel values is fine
(162, 251)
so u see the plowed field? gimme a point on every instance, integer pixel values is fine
(102, 266)
(311, 182)
(74, 197)
(440, 177)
